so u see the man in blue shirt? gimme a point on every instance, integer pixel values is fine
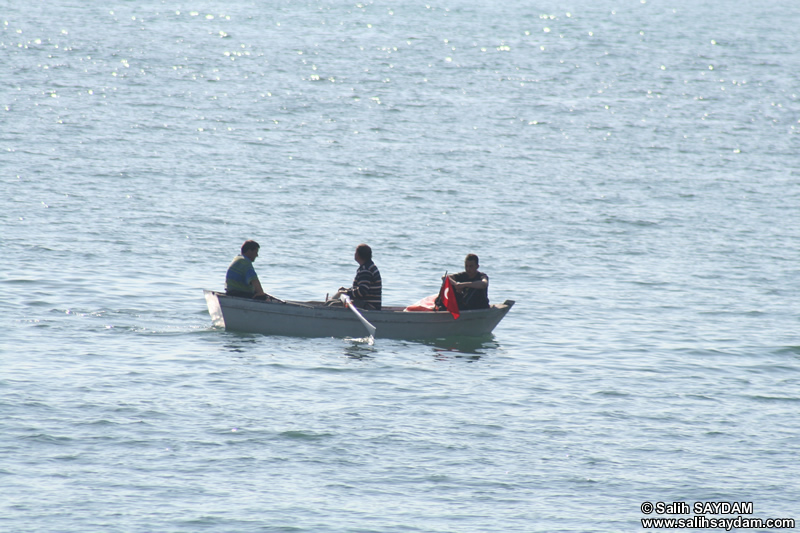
(241, 279)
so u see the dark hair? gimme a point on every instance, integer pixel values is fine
(250, 245)
(364, 252)
(472, 257)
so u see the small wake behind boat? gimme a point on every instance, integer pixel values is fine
(315, 319)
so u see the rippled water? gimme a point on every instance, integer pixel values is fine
(627, 173)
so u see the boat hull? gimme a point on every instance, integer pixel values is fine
(314, 319)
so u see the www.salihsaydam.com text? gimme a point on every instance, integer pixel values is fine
(704, 522)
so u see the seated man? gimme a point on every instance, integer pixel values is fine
(367, 286)
(241, 279)
(471, 286)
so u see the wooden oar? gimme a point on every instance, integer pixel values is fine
(274, 298)
(349, 303)
(298, 304)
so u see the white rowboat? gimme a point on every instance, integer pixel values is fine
(315, 319)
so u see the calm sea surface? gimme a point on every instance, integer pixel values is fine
(628, 173)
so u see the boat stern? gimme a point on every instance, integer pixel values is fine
(214, 309)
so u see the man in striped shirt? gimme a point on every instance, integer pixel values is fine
(367, 285)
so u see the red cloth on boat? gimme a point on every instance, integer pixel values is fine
(426, 304)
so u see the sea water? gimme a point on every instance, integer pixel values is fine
(627, 172)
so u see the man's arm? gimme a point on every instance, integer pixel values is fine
(257, 286)
(482, 283)
(360, 288)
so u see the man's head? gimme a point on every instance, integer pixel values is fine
(471, 265)
(250, 250)
(364, 253)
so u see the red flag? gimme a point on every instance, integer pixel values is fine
(449, 298)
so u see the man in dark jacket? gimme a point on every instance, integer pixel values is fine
(471, 286)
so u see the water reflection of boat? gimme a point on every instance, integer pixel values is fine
(314, 319)
(463, 347)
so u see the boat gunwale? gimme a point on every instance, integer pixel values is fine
(385, 310)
